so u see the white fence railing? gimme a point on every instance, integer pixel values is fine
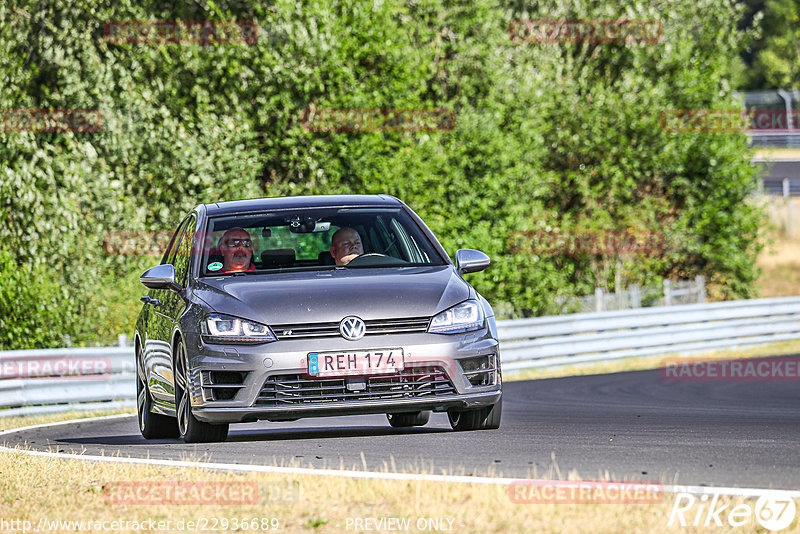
(106, 378)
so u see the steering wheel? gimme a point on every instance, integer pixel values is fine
(370, 256)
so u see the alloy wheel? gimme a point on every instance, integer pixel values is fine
(182, 389)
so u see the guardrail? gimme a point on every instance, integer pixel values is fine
(525, 343)
(690, 328)
(783, 105)
(98, 378)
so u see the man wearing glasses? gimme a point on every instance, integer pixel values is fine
(237, 251)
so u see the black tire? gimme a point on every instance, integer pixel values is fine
(486, 418)
(151, 425)
(190, 429)
(399, 420)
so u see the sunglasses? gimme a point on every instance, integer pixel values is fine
(239, 243)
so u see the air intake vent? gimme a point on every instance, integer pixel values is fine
(222, 385)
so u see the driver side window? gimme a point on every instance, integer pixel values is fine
(169, 254)
(184, 253)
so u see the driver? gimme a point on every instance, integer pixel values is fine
(236, 248)
(345, 245)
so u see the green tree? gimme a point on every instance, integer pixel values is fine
(547, 137)
(776, 55)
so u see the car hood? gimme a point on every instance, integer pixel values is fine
(329, 296)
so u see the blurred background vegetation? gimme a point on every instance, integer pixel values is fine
(547, 137)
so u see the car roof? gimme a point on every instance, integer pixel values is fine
(315, 201)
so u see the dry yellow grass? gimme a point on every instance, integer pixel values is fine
(36, 489)
(779, 260)
(780, 267)
(780, 252)
(776, 154)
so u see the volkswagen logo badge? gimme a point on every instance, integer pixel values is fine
(352, 328)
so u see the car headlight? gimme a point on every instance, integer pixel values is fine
(460, 318)
(225, 329)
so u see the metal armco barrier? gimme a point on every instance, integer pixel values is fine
(691, 328)
(525, 344)
(109, 382)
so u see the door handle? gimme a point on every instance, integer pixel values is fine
(148, 300)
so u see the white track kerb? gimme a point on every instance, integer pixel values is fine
(248, 468)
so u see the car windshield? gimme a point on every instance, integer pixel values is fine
(314, 239)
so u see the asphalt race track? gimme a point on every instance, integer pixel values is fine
(631, 425)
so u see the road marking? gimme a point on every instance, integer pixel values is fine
(248, 468)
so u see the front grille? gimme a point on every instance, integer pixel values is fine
(282, 390)
(378, 326)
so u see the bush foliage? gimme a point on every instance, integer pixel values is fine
(548, 136)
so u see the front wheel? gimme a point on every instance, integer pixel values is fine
(151, 425)
(486, 418)
(399, 420)
(190, 429)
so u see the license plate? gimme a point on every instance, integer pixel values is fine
(360, 362)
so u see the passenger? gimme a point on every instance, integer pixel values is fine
(236, 248)
(345, 245)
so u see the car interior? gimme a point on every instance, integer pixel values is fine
(303, 240)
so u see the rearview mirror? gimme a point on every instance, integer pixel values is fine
(471, 261)
(307, 225)
(160, 277)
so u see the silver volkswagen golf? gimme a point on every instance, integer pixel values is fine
(283, 308)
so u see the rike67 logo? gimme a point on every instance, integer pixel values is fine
(773, 511)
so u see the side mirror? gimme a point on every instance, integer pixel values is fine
(471, 261)
(160, 277)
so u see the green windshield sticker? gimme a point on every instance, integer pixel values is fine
(216, 266)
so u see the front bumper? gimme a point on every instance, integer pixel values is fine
(440, 404)
(255, 364)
